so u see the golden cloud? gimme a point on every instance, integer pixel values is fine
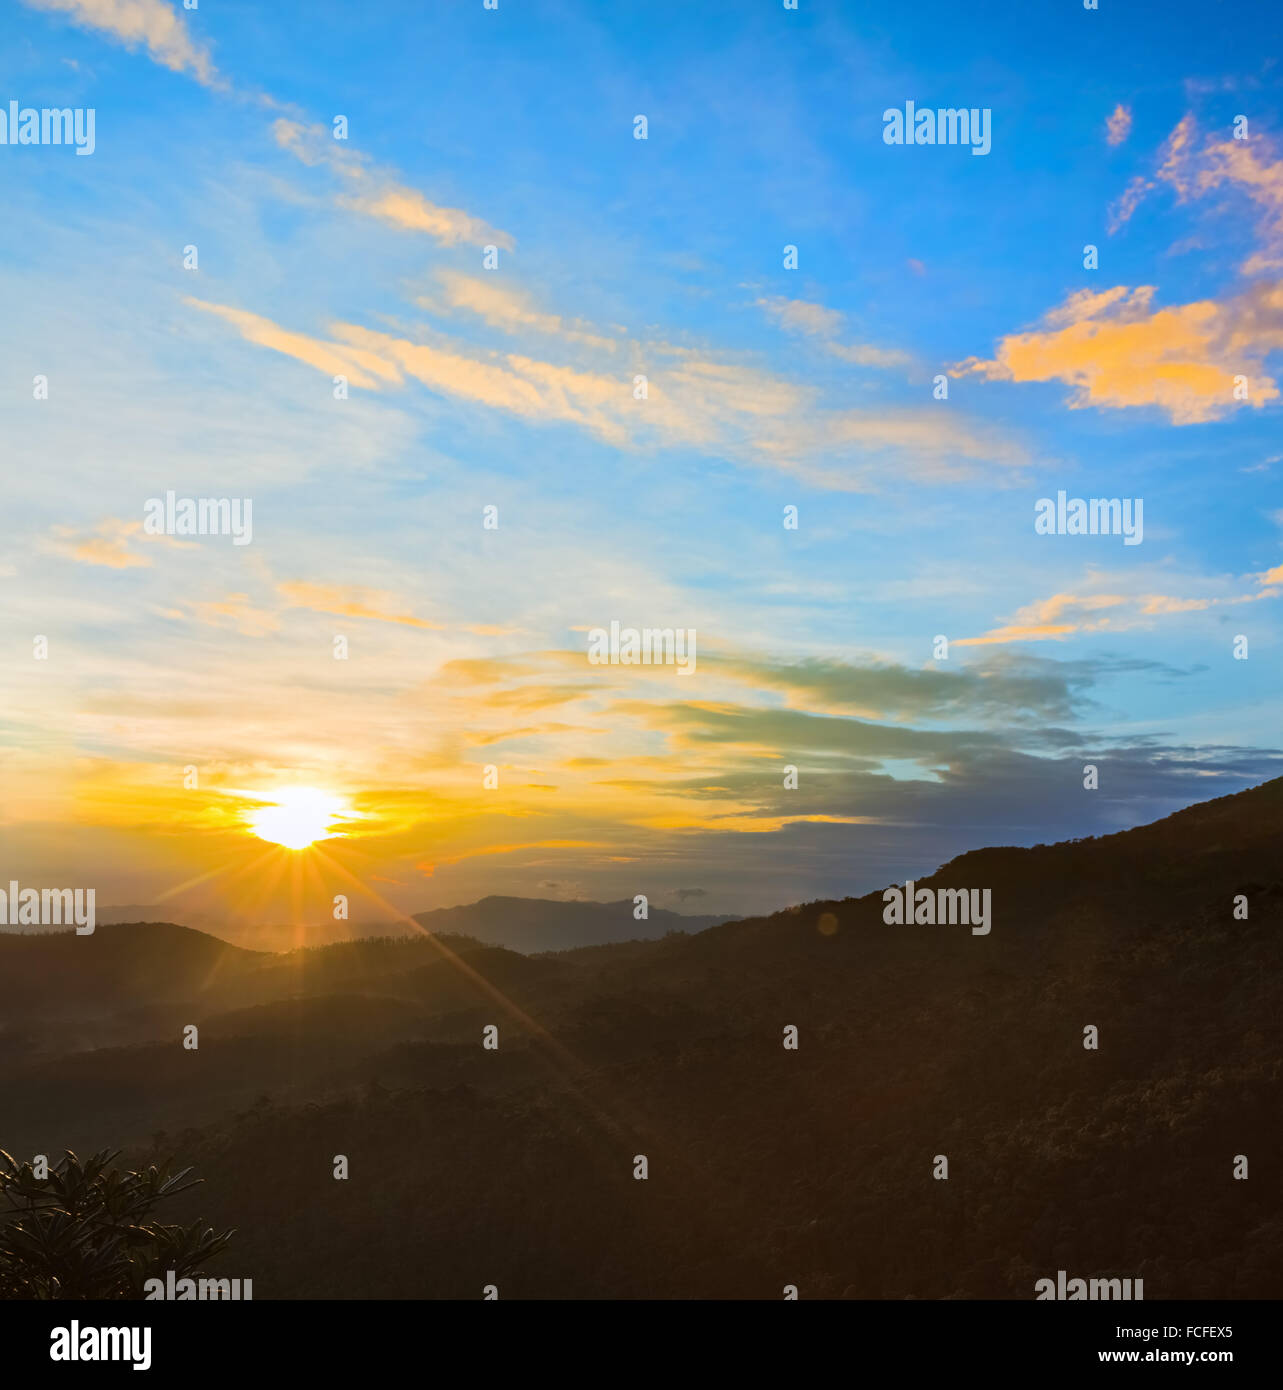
(1117, 351)
(349, 601)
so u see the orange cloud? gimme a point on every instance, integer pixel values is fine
(109, 544)
(236, 611)
(348, 601)
(409, 209)
(532, 697)
(109, 547)
(362, 368)
(483, 670)
(377, 194)
(737, 410)
(1062, 614)
(1117, 351)
(509, 310)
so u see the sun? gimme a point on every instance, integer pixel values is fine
(297, 817)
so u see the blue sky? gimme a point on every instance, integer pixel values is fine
(513, 387)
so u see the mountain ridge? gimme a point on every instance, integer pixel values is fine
(768, 1165)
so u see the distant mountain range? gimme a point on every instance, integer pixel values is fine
(546, 924)
(521, 924)
(815, 1166)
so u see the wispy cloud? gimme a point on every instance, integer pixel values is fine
(109, 544)
(236, 611)
(364, 369)
(377, 193)
(814, 320)
(756, 416)
(508, 309)
(1066, 614)
(1250, 167)
(348, 601)
(149, 24)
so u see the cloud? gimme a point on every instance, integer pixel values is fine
(814, 320)
(508, 309)
(1119, 125)
(519, 385)
(693, 401)
(1117, 351)
(757, 733)
(371, 191)
(350, 601)
(865, 356)
(1054, 617)
(1251, 167)
(109, 544)
(236, 610)
(527, 699)
(1084, 305)
(1063, 615)
(936, 446)
(802, 317)
(364, 369)
(408, 208)
(1005, 688)
(1120, 213)
(141, 23)
(485, 670)
(376, 193)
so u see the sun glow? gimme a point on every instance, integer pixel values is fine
(297, 817)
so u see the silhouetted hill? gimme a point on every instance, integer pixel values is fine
(514, 1164)
(521, 924)
(51, 974)
(252, 936)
